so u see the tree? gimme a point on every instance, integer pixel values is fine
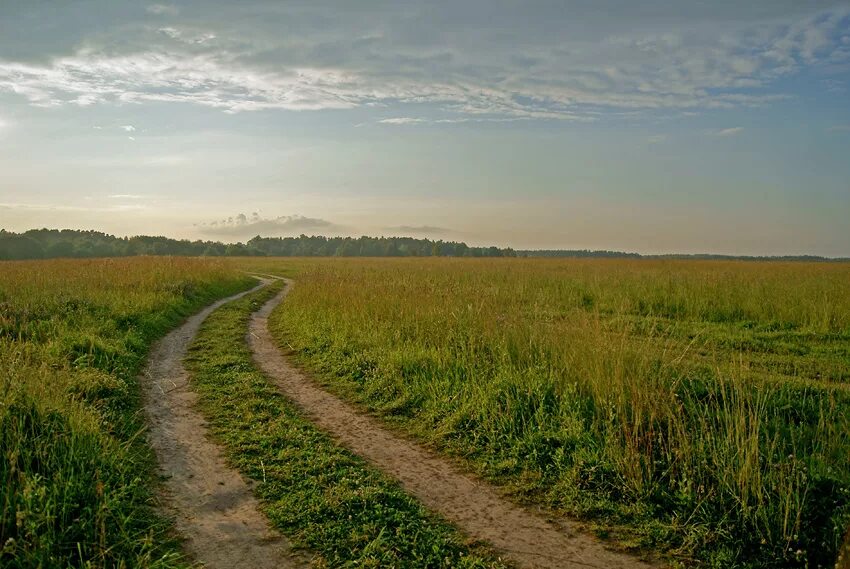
(59, 249)
(19, 247)
(38, 243)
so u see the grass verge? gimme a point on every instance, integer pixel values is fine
(321, 495)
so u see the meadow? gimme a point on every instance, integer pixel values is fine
(77, 482)
(696, 407)
(330, 502)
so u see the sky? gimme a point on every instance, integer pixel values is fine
(653, 126)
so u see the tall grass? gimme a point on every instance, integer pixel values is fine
(345, 511)
(697, 406)
(75, 473)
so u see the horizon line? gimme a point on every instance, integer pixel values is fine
(555, 252)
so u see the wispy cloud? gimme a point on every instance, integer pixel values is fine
(835, 85)
(163, 10)
(529, 71)
(476, 119)
(167, 77)
(242, 225)
(402, 120)
(125, 196)
(534, 69)
(188, 37)
(128, 128)
(735, 130)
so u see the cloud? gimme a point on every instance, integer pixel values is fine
(461, 120)
(242, 225)
(834, 85)
(402, 120)
(531, 63)
(128, 128)
(187, 37)
(125, 196)
(656, 138)
(735, 130)
(162, 10)
(168, 77)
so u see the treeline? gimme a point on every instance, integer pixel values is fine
(810, 258)
(304, 246)
(581, 253)
(53, 243)
(577, 253)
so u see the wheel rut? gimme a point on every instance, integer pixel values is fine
(213, 506)
(519, 535)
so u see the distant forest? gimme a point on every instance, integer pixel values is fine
(53, 243)
(555, 253)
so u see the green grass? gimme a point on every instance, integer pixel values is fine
(700, 408)
(77, 485)
(322, 496)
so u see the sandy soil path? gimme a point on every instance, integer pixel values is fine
(214, 507)
(522, 537)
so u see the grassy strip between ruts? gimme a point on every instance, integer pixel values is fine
(321, 495)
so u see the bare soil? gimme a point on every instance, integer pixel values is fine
(212, 504)
(522, 537)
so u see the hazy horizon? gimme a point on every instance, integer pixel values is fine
(402, 235)
(659, 127)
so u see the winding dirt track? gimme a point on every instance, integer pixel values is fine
(214, 507)
(526, 539)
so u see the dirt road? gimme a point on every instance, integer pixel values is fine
(212, 504)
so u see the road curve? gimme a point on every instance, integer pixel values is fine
(212, 504)
(520, 536)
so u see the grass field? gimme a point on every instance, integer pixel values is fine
(75, 474)
(699, 407)
(325, 498)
